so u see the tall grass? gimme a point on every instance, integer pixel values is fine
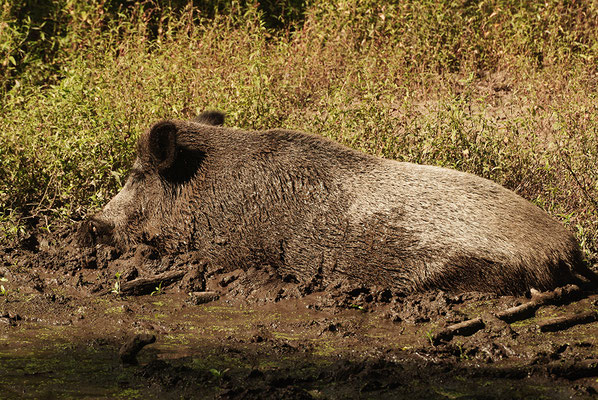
(501, 88)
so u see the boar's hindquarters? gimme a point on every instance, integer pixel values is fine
(440, 228)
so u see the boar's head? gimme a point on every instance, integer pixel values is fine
(165, 166)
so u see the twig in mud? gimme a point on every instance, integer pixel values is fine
(560, 323)
(509, 315)
(464, 328)
(563, 369)
(527, 310)
(141, 286)
(198, 298)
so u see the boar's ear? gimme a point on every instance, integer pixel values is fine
(162, 144)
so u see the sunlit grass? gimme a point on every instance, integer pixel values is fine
(503, 89)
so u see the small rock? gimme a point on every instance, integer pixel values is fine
(371, 386)
(257, 339)
(198, 298)
(497, 327)
(14, 316)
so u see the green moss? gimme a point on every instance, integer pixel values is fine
(286, 335)
(449, 394)
(525, 322)
(324, 348)
(155, 317)
(115, 310)
(130, 394)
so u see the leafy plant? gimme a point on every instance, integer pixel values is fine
(116, 287)
(462, 353)
(158, 290)
(218, 373)
(430, 336)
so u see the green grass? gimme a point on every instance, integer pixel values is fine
(504, 89)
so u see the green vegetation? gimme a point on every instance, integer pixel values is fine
(462, 352)
(501, 88)
(431, 338)
(116, 287)
(158, 290)
(217, 373)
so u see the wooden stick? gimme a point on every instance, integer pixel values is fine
(562, 369)
(527, 310)
(147, 285)
(573, 369)
(464, 328)
(141, 286)
(198, 298)
(523, 311)
(560, 323)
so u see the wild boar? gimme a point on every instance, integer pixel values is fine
(314, 209)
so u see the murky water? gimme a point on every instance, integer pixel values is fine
(224, 350)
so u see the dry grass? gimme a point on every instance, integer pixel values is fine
(503, 89)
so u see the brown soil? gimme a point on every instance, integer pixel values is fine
(64, 317)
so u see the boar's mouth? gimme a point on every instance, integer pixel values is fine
(95, 231)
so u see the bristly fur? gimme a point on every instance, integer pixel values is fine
(215, 118)
(313, 208)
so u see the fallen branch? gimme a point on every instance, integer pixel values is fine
(141, 286)
(560, 323)
(198, 298)
(563, 369)
(528, 310)
(464, 328)
(509, 315)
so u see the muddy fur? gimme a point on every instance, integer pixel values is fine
(317, 211)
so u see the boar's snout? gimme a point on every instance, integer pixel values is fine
(94, 231)
(101, 230)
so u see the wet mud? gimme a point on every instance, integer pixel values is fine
(81, 323)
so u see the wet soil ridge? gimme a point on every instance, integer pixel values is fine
(128, 352)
